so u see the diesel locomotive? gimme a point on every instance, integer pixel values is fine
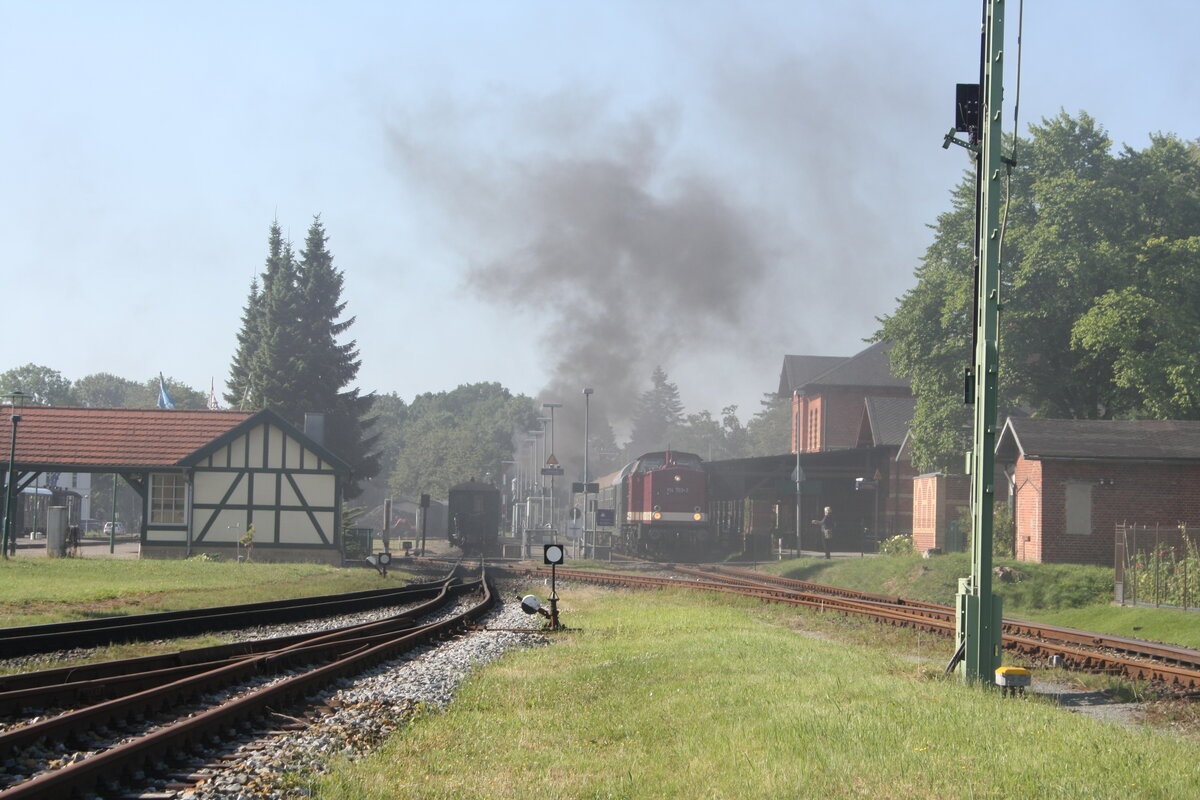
(660, 505)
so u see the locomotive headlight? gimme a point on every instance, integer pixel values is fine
(678, 478)
(658, 515)
(657, 508)
(696, 508)
(697, 516)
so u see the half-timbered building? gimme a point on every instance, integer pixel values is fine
(209, 481)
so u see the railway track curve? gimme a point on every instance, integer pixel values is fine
(154, 717)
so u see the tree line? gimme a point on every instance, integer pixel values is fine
(444, 438)
(1101, 315)
(47, 386)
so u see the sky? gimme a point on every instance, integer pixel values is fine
(544, 194)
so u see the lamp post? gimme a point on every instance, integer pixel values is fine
(587, 412)
(552, 406)
(14, 400)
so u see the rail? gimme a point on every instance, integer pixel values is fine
(315, 663)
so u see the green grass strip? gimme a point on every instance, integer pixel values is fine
(684, 696)
(39, 591)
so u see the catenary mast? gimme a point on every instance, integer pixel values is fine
(979, 612)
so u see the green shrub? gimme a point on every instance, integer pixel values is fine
(1004, 531)
(1165, 576)
(898, 545)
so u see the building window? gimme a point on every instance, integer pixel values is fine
(168, 491)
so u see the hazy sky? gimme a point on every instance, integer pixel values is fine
(544, 194)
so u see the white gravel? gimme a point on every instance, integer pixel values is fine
(367, 710)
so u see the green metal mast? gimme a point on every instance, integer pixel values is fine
(978, 609)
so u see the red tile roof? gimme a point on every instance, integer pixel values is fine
(64, 437)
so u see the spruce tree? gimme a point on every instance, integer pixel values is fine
(276, 366)
(330, 366)
(289, 357)
(659, 409)
(238, 394)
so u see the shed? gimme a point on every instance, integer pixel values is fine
(1073, 481)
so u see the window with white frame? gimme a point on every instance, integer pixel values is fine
(168, 492)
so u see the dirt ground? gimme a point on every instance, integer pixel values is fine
(91, 547)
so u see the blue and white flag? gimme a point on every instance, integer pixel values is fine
(164, 398)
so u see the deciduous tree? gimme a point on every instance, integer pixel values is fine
(450, 437)
(45, 386)
(1096, 283)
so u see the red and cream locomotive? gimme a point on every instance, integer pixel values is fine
(660, 504)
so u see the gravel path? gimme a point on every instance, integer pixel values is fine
(1090, 702)
(367, 709)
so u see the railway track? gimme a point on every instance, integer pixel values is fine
(122, 726)
(173, 624)
(1171, 666)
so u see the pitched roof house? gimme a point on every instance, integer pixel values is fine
(205, 477)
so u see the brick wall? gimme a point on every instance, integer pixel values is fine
(924, 513)
(843, 417)
(831, 420)
(1137, 493)
(1027, 477)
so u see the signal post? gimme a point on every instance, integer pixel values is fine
(978, 609)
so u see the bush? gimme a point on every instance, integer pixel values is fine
(1004, 531)
(899, 545)
(1167, 575)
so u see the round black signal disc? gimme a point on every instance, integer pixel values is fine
(552, 554)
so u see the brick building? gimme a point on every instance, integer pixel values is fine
(856, 408)
(828, 395)
(1074, 481)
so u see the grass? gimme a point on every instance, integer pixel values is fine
(1071, 595)
(38, 591)
(672, 695)
(1155, 624)
(682, 695)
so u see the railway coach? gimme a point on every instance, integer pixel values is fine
(473, 518)
(660, 505)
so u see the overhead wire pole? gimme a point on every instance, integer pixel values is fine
(588, 517)
(978, 610)
(552, 462)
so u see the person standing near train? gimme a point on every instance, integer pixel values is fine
(826, 524)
